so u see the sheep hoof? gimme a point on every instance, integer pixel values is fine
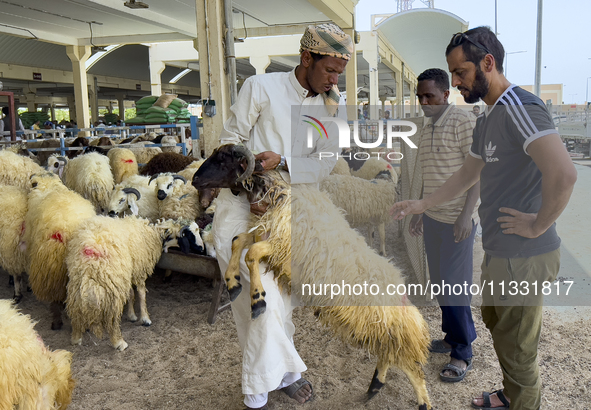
(234, 292)
(375, 386)
(17, 299)
(423, 406)
(76, 341)
(258, 309)
(132, 317)
(146, 322)
(121, 345)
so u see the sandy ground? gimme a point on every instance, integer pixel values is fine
(181, 362)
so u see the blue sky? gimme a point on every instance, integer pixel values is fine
(566, 36)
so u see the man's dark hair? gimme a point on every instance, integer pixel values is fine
(316, 56)
(439, 76)
(5, 110)
(485, 37)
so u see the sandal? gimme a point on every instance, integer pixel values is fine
(437, 346)
(461, 373)
(486, 401)
(293, 388)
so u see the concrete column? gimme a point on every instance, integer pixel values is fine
(30, 98)
(260, 63)
(371, 56)
(53, 116)
(413, 100)
(399, 95)
(72, 107)
(78, 55)
(156, 68)
(351, 80)
(214, 82)
(92, 95)
(121, 105)
(383, 107)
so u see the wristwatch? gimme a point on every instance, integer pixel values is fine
(282, 163)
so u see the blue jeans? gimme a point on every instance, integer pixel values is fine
(451, 262)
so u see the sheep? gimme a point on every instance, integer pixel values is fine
(123, 164)
(364, 202)
(89, 175)
(31, 376)
(16, 170)
(341, 168)
(144, 152)
(372, 167)
(168, 162)
(395, 331)
(169, 144)
(134, 196)
(54, 213)
(105, 258)
(78, 142)
(177, 199)
(13, 203)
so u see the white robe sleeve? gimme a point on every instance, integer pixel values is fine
(243, 115)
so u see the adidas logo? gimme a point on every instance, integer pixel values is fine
(490, 150)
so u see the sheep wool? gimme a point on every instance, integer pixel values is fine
(123, 164)
(31, 376)
(54, 213)
(364, 202)
(16, 170)
(105, 257)
(121, 203)
(90, 175)
(372, 167)
(341, 168)
(13, 202)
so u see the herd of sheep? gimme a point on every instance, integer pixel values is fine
(89, 230)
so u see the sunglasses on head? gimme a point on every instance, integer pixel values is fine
(459, 38)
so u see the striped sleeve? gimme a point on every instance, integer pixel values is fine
(531, 121)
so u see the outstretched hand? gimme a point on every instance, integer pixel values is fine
(518, 223)
(269, 159)
(403, 208)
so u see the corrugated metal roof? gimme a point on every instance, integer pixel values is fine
(33, 53)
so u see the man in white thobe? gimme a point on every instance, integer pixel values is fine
(268, 118)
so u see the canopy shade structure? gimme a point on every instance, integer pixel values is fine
(422, 35)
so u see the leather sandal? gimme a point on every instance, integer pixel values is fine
(461, 373)
(486, 405)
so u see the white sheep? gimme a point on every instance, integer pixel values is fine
(54, 213)
(177, 198)
(90, 175)
(341, 168)
(16, 170)
(13, 203)
(31, 376)
(374, 166)
(123, 164)
(134, 196)
(144, 152)
(105, 258)
(366, 203)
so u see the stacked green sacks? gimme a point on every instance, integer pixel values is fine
(111, 118)
(147, 111)
(183, 114)
(140, 109)
(30, 117)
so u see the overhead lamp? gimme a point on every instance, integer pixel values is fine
(132, 4)
(180, 75)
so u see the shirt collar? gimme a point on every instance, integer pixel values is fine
(439, 122)
(302, 92)
(487, 109)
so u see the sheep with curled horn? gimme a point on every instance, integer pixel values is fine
(389, 327)
(134, 196)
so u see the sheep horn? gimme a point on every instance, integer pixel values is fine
(250, 162)
(182, 178)
(63, 159)
(132, 191)
(153, 177)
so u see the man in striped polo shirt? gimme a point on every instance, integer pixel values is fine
(527, 178)
(448, 228)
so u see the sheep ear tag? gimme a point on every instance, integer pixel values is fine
(133, 205)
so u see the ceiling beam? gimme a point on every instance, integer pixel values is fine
(270, 31)
(146, 16)
(41, 35)
(136, 39)
(339, 11)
